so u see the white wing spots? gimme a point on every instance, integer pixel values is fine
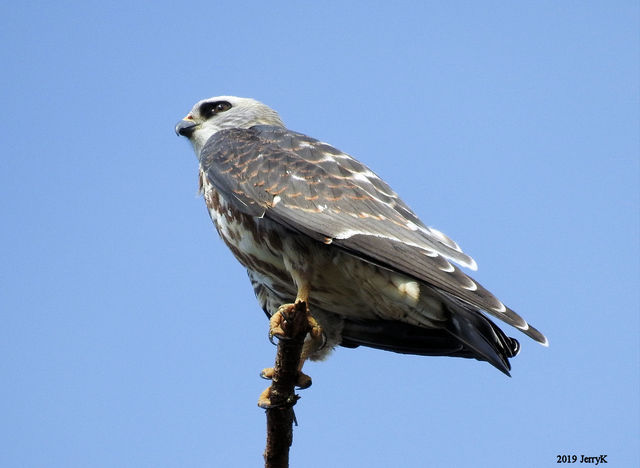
(383, 192)
(523, 327)
(314, 209)
(360, 176)
(364, 214)
(472, 285)
(471, 264)
(350, 233)
(424, 250)
(411, 225)
(364, 175)
(342, 156)
(429, 252)
(462, 259)
(276, 200)
(305, 144)
(449, 268)
(297, 177)
(501, 309)
(369, 175)
(445, 239)
(513, 319)
(439, 242)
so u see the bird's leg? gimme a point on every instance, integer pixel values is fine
(310, 345)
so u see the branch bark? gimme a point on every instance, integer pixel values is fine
(280, 416)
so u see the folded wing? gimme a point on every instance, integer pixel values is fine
(317, 190)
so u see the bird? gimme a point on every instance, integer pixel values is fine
(312, 224)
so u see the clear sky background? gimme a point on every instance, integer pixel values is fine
(130, 336)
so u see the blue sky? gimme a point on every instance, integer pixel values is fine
(130, 337)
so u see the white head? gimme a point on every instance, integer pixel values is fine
(209, 116)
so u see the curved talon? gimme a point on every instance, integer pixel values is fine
(315, 339)
(279, 337)
(263, 400)
(275, 325)
(267, 373)
(303, 381)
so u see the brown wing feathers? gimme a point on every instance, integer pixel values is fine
(315, 189)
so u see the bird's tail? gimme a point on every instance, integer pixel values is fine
(482, 338)
(468, 333)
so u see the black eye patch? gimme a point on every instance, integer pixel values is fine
(209, 109)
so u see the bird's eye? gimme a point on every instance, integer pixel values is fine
(209, 109)
(222, 106)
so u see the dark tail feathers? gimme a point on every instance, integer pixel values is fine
(468, 334)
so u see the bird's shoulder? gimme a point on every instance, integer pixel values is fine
(274, 158)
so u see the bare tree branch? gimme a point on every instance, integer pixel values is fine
(280, 415)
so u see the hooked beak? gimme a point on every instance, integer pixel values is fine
(186, 127)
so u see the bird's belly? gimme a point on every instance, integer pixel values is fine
(353, 288)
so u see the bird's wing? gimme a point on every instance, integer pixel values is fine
(315, 189)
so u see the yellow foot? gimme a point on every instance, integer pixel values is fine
(303, 381)
(316, 330)
(276, 323)
(264, 400)
(277, 319)
(267, 373)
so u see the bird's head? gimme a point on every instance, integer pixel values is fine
(209, 116)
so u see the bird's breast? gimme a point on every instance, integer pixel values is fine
(255, 242)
